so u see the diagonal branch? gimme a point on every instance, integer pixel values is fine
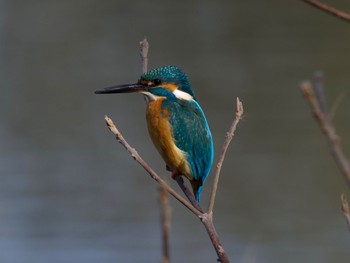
(207, 221)
(345, 209)
(328, 9)
(338, 100)
(148, 169)
(229, 136)
(327, 128)
(314, 95)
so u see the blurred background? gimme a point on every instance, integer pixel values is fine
(70, 193)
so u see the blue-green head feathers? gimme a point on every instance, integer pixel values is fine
(169, 75)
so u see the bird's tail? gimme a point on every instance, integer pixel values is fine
(197, 189)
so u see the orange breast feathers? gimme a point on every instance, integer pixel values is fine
(160, 131)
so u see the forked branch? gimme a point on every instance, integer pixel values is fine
(314, 95)
(322, 116)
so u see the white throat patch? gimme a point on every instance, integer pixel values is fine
(182, 95)
(150, 97)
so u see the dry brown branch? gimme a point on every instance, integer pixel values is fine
(328, 9)
(229, 136)
(150, 171)
(345, 209)
(144, 47)
(166, 215)
(314, 95)
(207, 221)
(327, 128)
(317, 84)
(339, 99)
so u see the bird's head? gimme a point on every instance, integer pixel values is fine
(168, 81)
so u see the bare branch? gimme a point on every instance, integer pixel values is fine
(166, 214)
(229, 136)
(328, 9)
(207, 220)
(328, 130)
(317, 83)
(319, 108)
(144, 46)
(345, 209)
(148, 169)
(339, 99)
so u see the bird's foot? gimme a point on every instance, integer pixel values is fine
(174, 175)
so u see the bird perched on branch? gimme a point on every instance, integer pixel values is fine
(176, 123)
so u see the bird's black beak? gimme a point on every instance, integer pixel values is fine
(125, 88)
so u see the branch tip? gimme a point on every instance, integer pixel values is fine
(144, 47)
(345, 205)
(111, 126)
(306, 88)
(345, 209)
(314, 95)
(239, 108)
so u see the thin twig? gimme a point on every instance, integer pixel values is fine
(328, 9)
(229, 136)
(317, 83)
(328, 129)
(149, 170)
(144, 47)
(338, 100)
(166, 214)
(345, 209)
(319, 108)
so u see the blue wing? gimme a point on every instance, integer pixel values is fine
(192, 135)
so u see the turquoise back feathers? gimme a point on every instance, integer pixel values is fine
(192, 135)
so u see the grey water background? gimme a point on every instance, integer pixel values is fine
(70, 193)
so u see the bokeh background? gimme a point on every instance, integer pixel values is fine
(70, 193)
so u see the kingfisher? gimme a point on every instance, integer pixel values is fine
(176, 123)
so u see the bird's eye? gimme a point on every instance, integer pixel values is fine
(156, 82)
